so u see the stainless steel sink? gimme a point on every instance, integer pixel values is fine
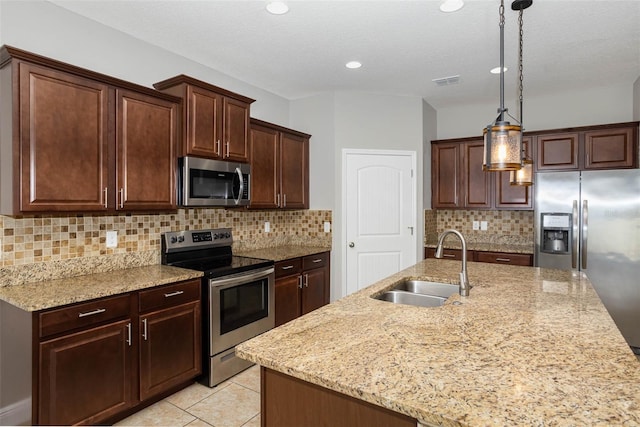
(404, 297)
(420, 293)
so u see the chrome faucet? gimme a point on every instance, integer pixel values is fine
(464, 281)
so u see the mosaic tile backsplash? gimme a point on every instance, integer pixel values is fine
(50, 238)
(508, 227)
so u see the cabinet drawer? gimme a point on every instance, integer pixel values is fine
(83, 315)
(315, 261)
(447, 253)
(504, 258)
(170, 295)
(288, 267)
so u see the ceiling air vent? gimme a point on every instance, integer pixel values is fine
(446, 81)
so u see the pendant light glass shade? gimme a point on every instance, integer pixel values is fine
(524, 176)
(502, 147)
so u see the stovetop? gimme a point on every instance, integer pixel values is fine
(208, 251)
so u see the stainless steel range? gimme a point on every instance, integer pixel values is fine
(238, 296)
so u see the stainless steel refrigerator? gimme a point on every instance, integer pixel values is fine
(590, 222)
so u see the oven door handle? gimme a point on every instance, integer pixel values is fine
(240, 278)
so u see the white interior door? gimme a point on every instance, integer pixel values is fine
(380, 214)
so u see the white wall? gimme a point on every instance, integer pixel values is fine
(429, 133)
(594, 106)
(46, 29)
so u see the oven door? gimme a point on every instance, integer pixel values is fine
(242, 306)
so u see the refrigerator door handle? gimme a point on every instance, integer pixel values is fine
(574, 237)
(585, 228)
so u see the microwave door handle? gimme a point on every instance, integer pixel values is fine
(240, 177)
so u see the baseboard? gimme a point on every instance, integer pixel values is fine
(16, 414)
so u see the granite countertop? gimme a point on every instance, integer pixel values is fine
(529, 346)
(53, 293)
(284, 252)
(486, 246)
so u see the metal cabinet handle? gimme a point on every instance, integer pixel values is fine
(121, 198)
(300, 282)
(216, 147)
(228, 150)
(106, 198)
(306, 280)
(129, 334)
(144, 329)
(91, 313)
(278, 200)
(503, 259)
(173, 294)
(284, 200)
(287, 267)
(317, 260)
(448, 255)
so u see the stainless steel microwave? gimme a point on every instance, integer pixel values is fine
(207, 182)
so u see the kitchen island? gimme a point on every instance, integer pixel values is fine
(529, 346)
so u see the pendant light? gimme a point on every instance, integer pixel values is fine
(502, 140)
(524, 176)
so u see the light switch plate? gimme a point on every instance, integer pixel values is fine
(112, 239)
(327, 226)
(483, 225)
(267, 227)
(476, 225)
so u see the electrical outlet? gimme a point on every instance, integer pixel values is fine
(112, 239)
(267, 227)
(483, 225)
(476, 225)
(327, 226)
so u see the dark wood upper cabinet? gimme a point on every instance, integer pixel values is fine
(613, 146)
(75, 140)
(509, 196)
(445, 175)
(279, 160)
(216, 121)
(476, 183)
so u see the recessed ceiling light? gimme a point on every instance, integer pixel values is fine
(497, 70)
(353, 64)
(277, 7)
(451, 5)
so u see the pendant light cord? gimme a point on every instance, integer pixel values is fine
(502, 109)
(520, 66)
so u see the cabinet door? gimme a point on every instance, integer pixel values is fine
(287, 299)
(85, 377)
(294, 171)
(236, 130)
(610, 148)
(509, 196)
(557, 151)
(204, 123)
(146, 160)
(64, 141)
(477, 184)
(445, 175)
(170, 348)
(264, 167)
(313, 290)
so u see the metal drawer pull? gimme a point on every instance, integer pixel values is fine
(287, 267)
(317, 260)
(173, 294)
(91, 313)
(503, 259)
(449, 255)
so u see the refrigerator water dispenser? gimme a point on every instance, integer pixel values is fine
(555, 232)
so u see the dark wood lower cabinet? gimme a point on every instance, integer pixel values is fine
(484, 256)
(85, 377)
(288, 401)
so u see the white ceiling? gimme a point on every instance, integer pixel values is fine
(403, 45)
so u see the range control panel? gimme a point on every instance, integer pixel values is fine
(196, 239)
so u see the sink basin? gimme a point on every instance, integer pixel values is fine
(420, 293)
(444, 290)
(404, 297)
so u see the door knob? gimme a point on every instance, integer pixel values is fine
(351, 244)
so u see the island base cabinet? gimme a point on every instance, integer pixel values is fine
(85, 377)
(288, 401)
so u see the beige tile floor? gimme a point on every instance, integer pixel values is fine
(233, 403)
